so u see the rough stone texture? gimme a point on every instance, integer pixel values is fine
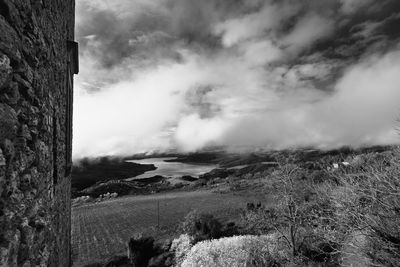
(34, 157)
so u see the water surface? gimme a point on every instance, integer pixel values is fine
(173, 169)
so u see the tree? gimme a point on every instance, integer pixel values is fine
(302, 217)
(368, 201)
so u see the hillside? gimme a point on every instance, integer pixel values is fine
(88, 172)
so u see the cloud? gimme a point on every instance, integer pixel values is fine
(362, 111)
(184, 75)
(129, 115)
(307, 30)
(351, 6)
(261, 52)
(255, 24)
(194, 133)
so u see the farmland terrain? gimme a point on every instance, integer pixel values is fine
(100, 230)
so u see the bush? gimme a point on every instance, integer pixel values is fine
(201, 182)
(141, 250)
(180, 247)
(118, 261)
(318, 177)
(236, 251)
(163, 260)
(257, 221)
(188, 178)
(230, 229)
(316, 248)
(201, 226)
(95, 264)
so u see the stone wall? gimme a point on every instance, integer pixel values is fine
(35, 132)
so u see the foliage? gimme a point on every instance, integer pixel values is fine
(95, 264)
(347, 215)
(117, 261)
(230, 229)
(317, 217)
(257, 220)
(180, 247)
(141, 250)
(303, 216)
(368, 202)
(118, 186)
(320, 215)
(236, 251)
(319, 177)
(201, 226)
(289, 217)
(163, 260)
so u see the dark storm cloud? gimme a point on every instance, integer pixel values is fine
(371, 27)
(111, 38)
(191, 22)
(198, 72)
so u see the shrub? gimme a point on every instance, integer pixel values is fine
(201, 182)
(236, 183)
(201, 226)
(188, 178)
(117, 261)
(257, 221)
(236, 251)
(180, 247)
(140, 250)
(230, 229)
(96, 264)
(316, 248)
(319, 176)
(163, 260)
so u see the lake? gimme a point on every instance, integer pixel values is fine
(172, 169)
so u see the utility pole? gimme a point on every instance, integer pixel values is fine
(158, 214)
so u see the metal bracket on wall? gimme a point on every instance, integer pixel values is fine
(73, 48)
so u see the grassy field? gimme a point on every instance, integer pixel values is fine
(100, 230)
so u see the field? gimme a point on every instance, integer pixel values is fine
(100, 230)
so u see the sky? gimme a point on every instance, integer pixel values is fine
(241, 75)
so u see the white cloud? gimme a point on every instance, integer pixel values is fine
(194, 133)
(254, 25)
(261, 52)
(362, 111)
(135, 115)
(131, 114)
(258, 93)
(309, 29)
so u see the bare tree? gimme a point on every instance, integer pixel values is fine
(368, 203)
